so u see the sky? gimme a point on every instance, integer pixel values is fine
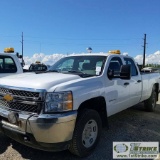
(62, 27)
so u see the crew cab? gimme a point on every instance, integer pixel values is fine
(67, 106)
(9, 64)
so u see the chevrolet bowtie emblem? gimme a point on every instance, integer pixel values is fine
(8, 97)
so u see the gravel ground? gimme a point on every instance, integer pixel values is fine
(134, 124)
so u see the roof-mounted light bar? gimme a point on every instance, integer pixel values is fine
(9, 50)
(115, 52)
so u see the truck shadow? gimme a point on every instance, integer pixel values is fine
(34, 154)
(4, 143)
(133, 124)
(141, 107)
(10, 146)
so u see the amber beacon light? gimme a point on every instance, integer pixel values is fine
(115, 52)
(9, 50)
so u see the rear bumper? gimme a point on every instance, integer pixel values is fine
(45, 132)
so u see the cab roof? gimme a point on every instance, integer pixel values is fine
(97, 54)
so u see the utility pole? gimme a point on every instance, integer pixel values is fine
(22, 49)
(144, 50)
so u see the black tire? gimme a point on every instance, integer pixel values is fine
(79, 147)
(150, 104)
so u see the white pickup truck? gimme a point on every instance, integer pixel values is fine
(9, 64)
(67, 106)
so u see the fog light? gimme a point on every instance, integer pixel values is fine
(13, 117)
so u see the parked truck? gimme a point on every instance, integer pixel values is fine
(67, 106)
(9, 63)
(37, 66)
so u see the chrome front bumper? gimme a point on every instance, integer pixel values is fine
(44, 129)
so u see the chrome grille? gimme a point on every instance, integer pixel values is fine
(20, 106)
(25, 100)
(19, 93)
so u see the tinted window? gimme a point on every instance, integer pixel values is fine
(115, 65)
(129, 61)
(7, 65)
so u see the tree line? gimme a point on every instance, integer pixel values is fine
(153, 65)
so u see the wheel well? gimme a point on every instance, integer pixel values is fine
(98, 104)
(156, 88)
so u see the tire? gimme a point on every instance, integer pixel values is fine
(86, 134)
(150, 104)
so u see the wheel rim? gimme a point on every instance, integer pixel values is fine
(154, 101)
(89, 134)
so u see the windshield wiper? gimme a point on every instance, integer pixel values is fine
(54, 70)
(38, 72)
(80, 73)
(75, 71)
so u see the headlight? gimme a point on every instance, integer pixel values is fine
(58, 102)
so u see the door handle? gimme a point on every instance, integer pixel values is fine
(139, 81)
(126, 83)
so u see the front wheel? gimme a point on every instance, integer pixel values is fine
(150, 104)
(86, 134)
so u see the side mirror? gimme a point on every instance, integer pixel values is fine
(18, 55)
(125, 72)
(22, 63)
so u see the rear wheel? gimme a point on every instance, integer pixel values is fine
(86, 134)
(150, 104)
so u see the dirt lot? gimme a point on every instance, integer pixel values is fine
(134, 124)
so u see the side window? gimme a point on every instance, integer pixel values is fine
(7, 65)
(115, 65)
(129, 61)
(1, 64)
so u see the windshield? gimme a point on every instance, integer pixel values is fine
(90, 65)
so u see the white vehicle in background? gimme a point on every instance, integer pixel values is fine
(37, 66)
(66, 106)
(9, 63)
(150, 69)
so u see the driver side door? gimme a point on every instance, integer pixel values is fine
(117, 90)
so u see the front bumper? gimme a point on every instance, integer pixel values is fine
(50, 132)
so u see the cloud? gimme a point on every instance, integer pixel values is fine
(43, 58)
(139, 59)
(149, 59)
(51, 59)
(47, 59)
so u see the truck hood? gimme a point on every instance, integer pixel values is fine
(37, 81)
